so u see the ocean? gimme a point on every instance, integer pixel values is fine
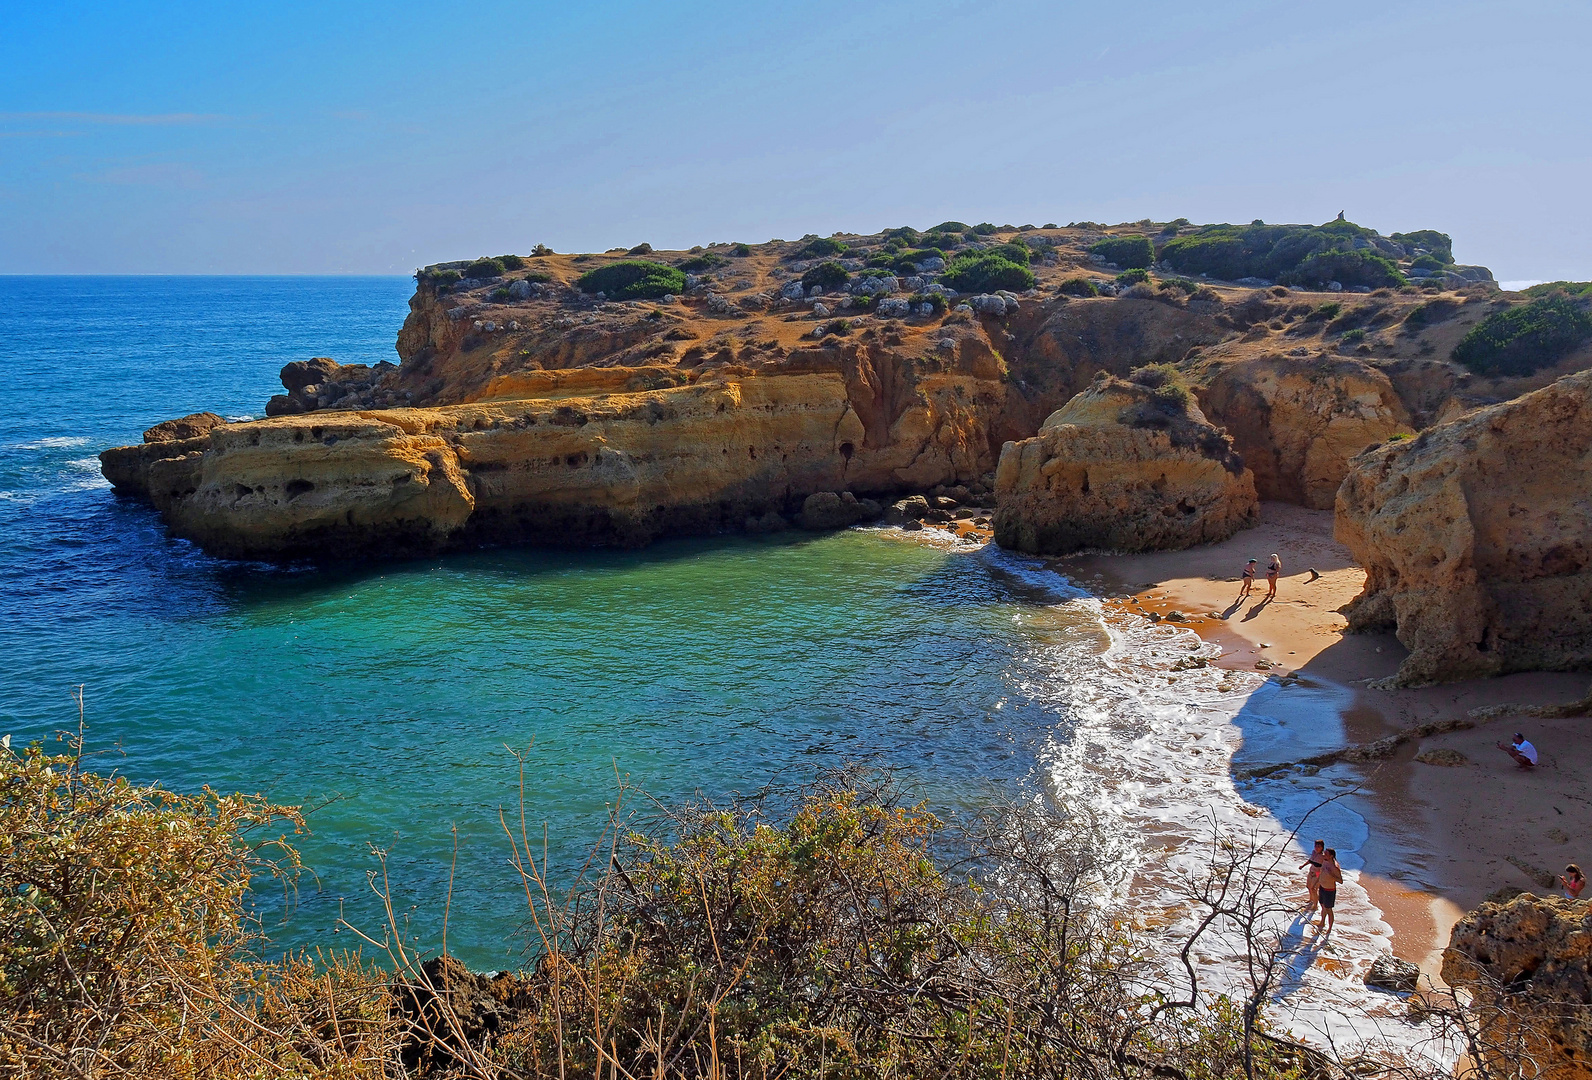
(391, 699)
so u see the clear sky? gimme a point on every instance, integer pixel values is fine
(357, 137)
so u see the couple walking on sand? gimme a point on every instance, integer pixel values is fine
(1273, 571)
(1323, 879)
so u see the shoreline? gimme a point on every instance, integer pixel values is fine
(1441, 838)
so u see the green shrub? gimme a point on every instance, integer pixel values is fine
(907, 235)
(632, 279)
(512, 262)
(1155, 376)
(1527, 338)
(1439, 245)
(1351, 337)
(1287, 253)
(538, 277)
(827, 275)
(640, 249)
(942, 240)
(698, 263)
(935, 300)
(439, 278)
(1329, 310)
(950, 226)
(985, 229)
(1423, 315)
(1183, 285)
(500, 293)
(542, 249)
(484, 268)
(984, 272)
(1356, 267)
(1020, 254)
(906, 262)
(1569, 288)
(741, 251)
(1078, 286)
(1128, 252)
(820, 247)
(1136, 276)
(1427, 262)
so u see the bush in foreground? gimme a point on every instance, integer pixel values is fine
(826, 275)
(485, 268)
(632, 279)
(1525, 339)
(841, 930)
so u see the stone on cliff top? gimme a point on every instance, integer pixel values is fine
(1476, 537)
(1124, 467)
(191, 426)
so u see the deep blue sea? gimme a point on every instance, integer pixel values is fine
(389, 697)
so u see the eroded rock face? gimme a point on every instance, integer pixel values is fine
(1528, 964)
(551, 466)
(1123, 467)
(1298, 422)
(1476, 537)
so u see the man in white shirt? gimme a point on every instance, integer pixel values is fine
(1524, 753)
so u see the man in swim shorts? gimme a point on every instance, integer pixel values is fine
(1249, 579)
(1524, 753)
(1273, 569)
(1331, 878)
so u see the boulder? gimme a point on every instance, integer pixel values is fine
(912, 508)
(301, 373)
(1394, 975)
(876, 285)
(893, 308)
(1476, 537)
(1527, 964)
(1124, 467)
(824, 510)
(792, 291)
(192, 426)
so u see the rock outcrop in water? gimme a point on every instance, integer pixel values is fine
(1476, 536)
(584, 459)
(1124, 467)
(1528, 965)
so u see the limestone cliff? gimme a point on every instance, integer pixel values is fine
(1476, 536)
(1125, 467)
(604, 464)
(1298, 421)
(1528, 967)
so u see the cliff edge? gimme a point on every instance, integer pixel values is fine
(1476, 536)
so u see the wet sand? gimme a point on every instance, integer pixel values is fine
(1442, 838)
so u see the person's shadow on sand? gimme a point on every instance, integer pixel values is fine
(1256, 610)
(1231, 608)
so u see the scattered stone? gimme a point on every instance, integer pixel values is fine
(1452, 759)
(792, 291)
(1394, 975)
(943, 502)
(836, 510)
(893, 308)
(719, 304)
(1175, 616)
(964, 514)
(911, 525)
(821, 310)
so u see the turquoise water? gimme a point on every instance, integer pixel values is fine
(389, 696)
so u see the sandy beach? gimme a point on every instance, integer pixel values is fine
(1442, 837)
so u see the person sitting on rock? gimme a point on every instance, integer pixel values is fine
(1273, 569)
(1524, 753)
(1249, 579)
(1573, 881)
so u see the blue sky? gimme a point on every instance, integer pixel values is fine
(373, 138)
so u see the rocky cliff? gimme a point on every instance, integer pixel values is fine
(1126, 467)
(1528, 967)
(599, 463)
(1476, 536)
(938, 382)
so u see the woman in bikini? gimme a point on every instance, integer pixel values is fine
(1249, 579)
(1573, 881)
(1313, 876)
(1273, 569)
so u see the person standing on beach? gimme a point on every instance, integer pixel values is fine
(1273, 569)
(1331, 877)
(1249, 579)
(1313, 876)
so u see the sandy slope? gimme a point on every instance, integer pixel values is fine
(1443, 837)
